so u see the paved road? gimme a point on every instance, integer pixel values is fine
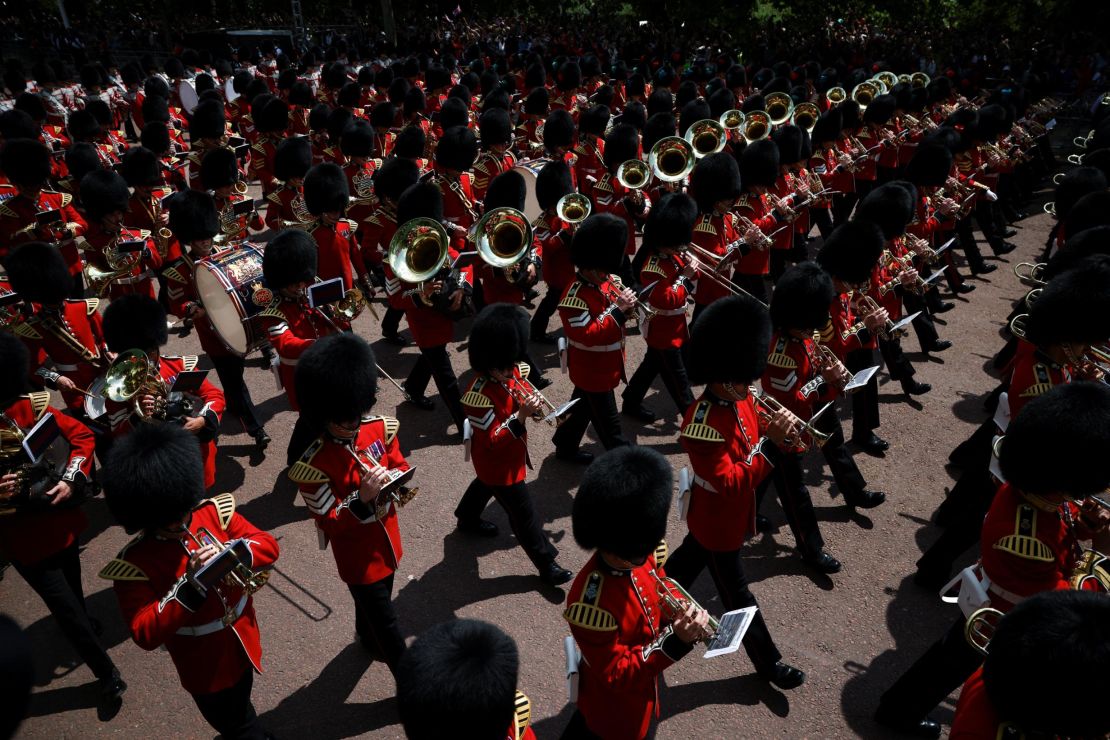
(852, 633)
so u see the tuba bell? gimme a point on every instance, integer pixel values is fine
(836, 95)
(503, 237)
(919, 79)
(130, 377)
(864, 93)
(732, 119)
(418, 250)
(805, 116)
(633, 174)
(757, 125)
(779, 107)
(574, 208)
(672, 158)
(706, 137)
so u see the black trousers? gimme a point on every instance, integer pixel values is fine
(897, 364)
(376, 622)
(789, 481)
(686, 564)
(964, 510)
(754, 284)
(966, 239)
(434, 363)
(944, 667)
(303, 435)
(229, 368)
(667, 363)
(822, 219)
(779, 262)
(542, 317)
(600, 409)
(842, 207)
(865, 402)
(923, 325)
(985, 220)
(391, 322)
(845, 472)
(57, 581)
(517, 503)
(230, 712)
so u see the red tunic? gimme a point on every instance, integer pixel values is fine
(976, 718)
(722, 437)
(458, 206)
(713, 233)
(594, 328)
(285, 207)
(181, 290)
(29, 536)
(140, 280)
(360, 182)
(292, 327)
(262, 161)
(790, 367)
(162, 608)
(18, 225)
(552, 236)
(756, 207)
(142, 212)
(589, 167)
(337, 252)
(1035, 373)
(377, 232)
(665, 290)
(366, 549)
(488, 166)
(499, 445)
(72, 336)
(609, 197)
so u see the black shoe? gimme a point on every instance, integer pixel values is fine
(865, 499)
(544, 338)
(575, 456)
(111, 697)
(261, 439)
(822, 562)
(554, 574)
(395, 339)
(1008, 233)
(912, 388)
(421, 402)
(938, 346)
(540, 382)
(872, 444)
(925, 728)
(762, 524)
(984, 269)
(639, 412)
(480, 527)
(1006, 248)
(784, 676)
(943, 307)
(964, 288)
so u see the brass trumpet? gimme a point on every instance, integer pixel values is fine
(887, 331)
(241, 575)
(1030, 273)
(633, 174)
(827, 360)
(767, 407)
(521, 396)
(393, 492)
(676, 600)
(706, 137)
(779, 107)
(618, 285)
(672, 158)
(574, 208)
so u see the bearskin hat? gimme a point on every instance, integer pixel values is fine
(535, 76)
(415, 101)
(39, 274)
(15, 368)
(903, 95)
(827, 127)
(659, 126)
(290, 258)
(436, 77)
(802, 297)
(155, 87)
(140, 167)
(890, 206)
(134, 322)
(421, 200)
(26, 162)
(1069, 425)
(156, 109)
(752, 103)
(334, 76)
(81, 159)
(594, 120)
(219, 169)
(394, 177)
(497, 98)
(103, 192)
(671, 222)
(338, 121)
(880, 109)
(622, 503)
(931, 163)
(851, 250)
(992, 121)
(938, 89)
(272, 116)
(729, 341)
(599, 243)
(687, 93)
(293, 158)
(558, 130)
(205, 82)
(461, 92)
(318, 117)
(409, 143)
(569, 77)
(1062, 634)
(634, 114)
(636, 85)
(507, 190)
(461, 673)
(1074, 185)
(326, 189)
(300, 95)
(850, 118)
(16, 124)
(1079, 246)
(83, 126)
(720, 101)
(357, 139)
(621, 144)
(736, 76)
(1099, 159)
(336, 379)
(32, 105)
(791, 141)
(349, 95)
(759, 163)
(1090, 211)
(208, 121)
(457, 149)
(153, 477)
(553, 182)
(240, 80)
(155, 137)
(537, 102)
(193, 216)
(495, 337)
(715, 178)
(1073, 306)
(455, 112)
(495, 127)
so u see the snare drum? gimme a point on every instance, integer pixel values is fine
(529, 169)
(95, 402)
(230, 288)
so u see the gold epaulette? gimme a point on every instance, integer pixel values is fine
(571, 299)
(522, 713)
(662, 552)
(742, 201)
(225, 507)
(653, 266)
(6, 211)
(171, 273)
(390, 423)
(373, 219)
(91, 304)
(258, 147)
(351, 224)
(66, 198)
(189, 362)
(539, 222)
(273, 197)
(273, 312)
(827, 332)
(302, 472)
(697, 429)
(1024, 543)
(780, 359)
(39, 401)
(705, 226)
(477, 400)
(524, 369)
(604, 184)
(121, 570)
(586, 613)
(140, 233)
(25, 330)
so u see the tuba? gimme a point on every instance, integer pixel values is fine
(418, 250)
(757, 125)
(633, 174)
(672, 158)
(919, 79)
(836, 95)
(706, 137)
(503, 238)
(864, 93)
(780, 107)
(732, 119)
(574, 208)
(805, 116)
(133, 376)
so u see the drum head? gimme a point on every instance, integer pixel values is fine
(229, 285)
(528, 170)
(96, 403)
(222, 310)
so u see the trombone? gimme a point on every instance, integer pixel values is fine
(780, 107)
(672, 158)
(556, 415)
(574, 208)
(706, 137)
(633, 174)
(767, 407)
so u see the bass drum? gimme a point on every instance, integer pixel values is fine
(230, 288)
(96, 401)
(529, 169)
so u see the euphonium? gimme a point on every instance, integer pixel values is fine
(574, 208)
(757, 125)
(805, 116)
(836, 95)
(706, 137)
(767, 407)
(672, 158)
(676, 600)
(732, 119)
(633, 174)
(350, 305)
(904, 78)
(133, 376)
(779, 107)
(1030, 273)
(1092, 571)
(418, 250)
(119, 265)
(12, 460)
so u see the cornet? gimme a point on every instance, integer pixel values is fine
(767, 407)
(573, 208)
(676, 600)
(240, 574)
(523, 390)
(618, 286)
(887, 331)
(393, 492)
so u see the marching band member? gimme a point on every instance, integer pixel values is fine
(220, 175)
(139, 322)
(667, 276)
(357, 145)
(207, 130)
(106, 199)
(759, 170)
(593, 311)
(1030, 537)
(154, 486)
(498, 404)
(715, 186)
(935, 213)
(285, 206)
(611, 196)
(341, 476)
(554, 237)
(462, 674)
(40, 538)
(143, 172)
(559, 137)
(455, 155)
(722, 433)
(495, 130)
(792, 189)
(590, 164)
(614, 608)
(326, 197)
(395, 176)
(271, 121)
(194, 222)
